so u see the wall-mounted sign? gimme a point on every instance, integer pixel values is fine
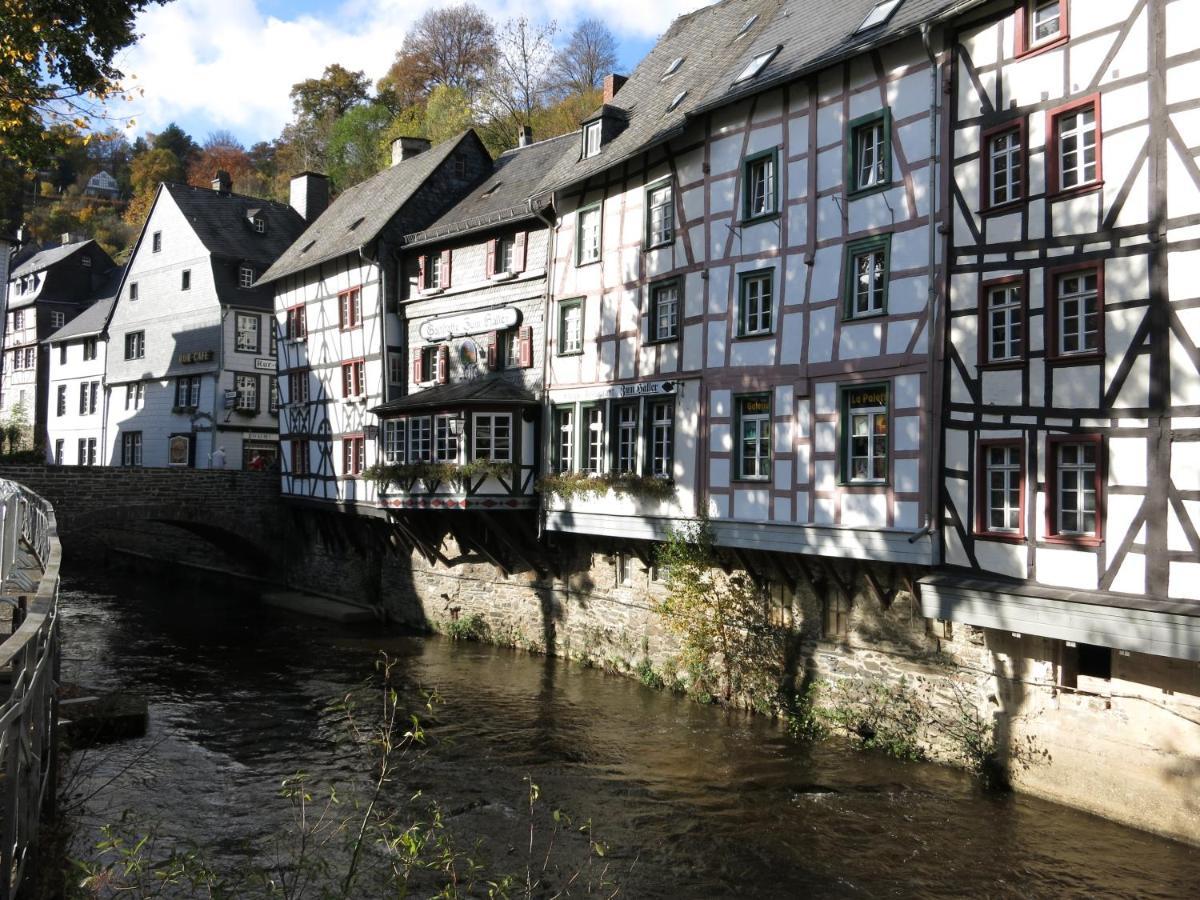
(230, 399)
(755, 406)
(195, 356)
(469, 323)
(260, 436)
(265, 365)
(643, 388)
(869, 396)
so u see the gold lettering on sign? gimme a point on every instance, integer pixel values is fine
(872, 396)
(755, 405)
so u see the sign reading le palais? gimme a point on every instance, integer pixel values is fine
(469, 323)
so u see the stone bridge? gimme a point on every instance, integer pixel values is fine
(224, 520)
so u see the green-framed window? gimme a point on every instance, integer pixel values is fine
(589, 229)
(570, 327)
(562, 436)
(626, 427)
(666, 303)
(868, 269)
(660, 213)
(760, 185)
(591, 445)
(756, 299)
(752, 421)
(660, 438)
(869, 160)
(866, 434)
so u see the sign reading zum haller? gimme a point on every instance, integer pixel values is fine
(469, 323)
(643, 388)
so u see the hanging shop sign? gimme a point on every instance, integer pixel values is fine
(642, 389)
(469, 323)
(265, 365)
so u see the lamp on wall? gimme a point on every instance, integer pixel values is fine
(371, 432)
(456, 424)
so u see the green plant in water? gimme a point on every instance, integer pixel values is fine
(647, 676)
(468, 628)
(802, 717)
(884, 716)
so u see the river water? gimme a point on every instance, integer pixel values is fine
(690, 801)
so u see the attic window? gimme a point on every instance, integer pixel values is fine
(86, 262)
(245, 276)
(460, 166)
(353, 225)
(591, 139)
(756, 66)
(260, 224)
(748, 24)
(307, 247)
(880, 13)
(673, 67)
(678, 99)
(495, 187)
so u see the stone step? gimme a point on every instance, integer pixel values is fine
(320, 607)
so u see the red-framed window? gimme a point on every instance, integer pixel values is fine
(1075, 474)
(1075, 303)
(1000, 497)
(1003, 322)
(297, 323)
(352, 378)
(1042, 25)
(1074, 146)
(350, 309)
(298, 385)
(354, 454)
(300, 461)
(433, 271)
(1004, 164)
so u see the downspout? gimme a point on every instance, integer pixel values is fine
(551, 236)
(933, 373)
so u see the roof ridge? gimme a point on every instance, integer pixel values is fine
(230, 194)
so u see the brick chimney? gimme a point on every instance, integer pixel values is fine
(407, 147)
(612, 84)
(525, 138)
(222, 183)
(309, 195)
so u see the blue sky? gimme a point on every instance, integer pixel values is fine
(229, 64)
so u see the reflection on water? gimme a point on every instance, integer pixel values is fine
(693, 802)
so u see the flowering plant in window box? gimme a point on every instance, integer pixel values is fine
(431, 474)
(571, 485)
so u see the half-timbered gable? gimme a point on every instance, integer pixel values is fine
(1072, 389)
(342, 347)
(741, 288)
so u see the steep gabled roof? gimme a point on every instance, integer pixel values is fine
(88, 323)
(503, 196)
(222, 224)
(359, 213)
(44, 259)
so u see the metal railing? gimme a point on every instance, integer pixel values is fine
(29, 670)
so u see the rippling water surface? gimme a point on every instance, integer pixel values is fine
(692, 802)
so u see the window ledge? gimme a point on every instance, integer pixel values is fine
(759, 219)
(859, 193)
(1001, 537)
(302, 339)
(357, 398)
(579, 264)
(650, 342)
(432, 292)
(864, 317)
(1078, 190)
(1026, 52)
(1003, 209)
(570, 353)
(1071, 359)
(1074, 540)
(754, 335)
(502, 276)
(660, 245)
(1001, 365)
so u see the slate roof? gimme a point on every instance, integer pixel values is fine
(88, 323)
(811, 35)
(44, 259)
(359, 213)
(503, 196)
(491, 390)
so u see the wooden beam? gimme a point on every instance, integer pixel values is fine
(846, 587)
(885, 597)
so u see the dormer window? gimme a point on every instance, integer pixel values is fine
(85, 261)
(756, 66)
(491, 190)
(673, 67)
(245, 276)
(353, 224)
(260, 224)
(674, 105)
(880, 13)
(308, 246)
(748, 24)
(591, 139)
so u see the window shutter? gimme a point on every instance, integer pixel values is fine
(519, 251)
(491, 256)
(525, 345)
(420, 273)
(443, 364)
(492, 355)
(445, 268)
(416, 367)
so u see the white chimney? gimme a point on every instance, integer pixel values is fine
(222, 183)
(407, 147)
(526, 136)
(309, 194)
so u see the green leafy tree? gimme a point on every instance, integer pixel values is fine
(178, 141)
(356, 144)
(148, 171)
(318, 103)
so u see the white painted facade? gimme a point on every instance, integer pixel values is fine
(75, 427)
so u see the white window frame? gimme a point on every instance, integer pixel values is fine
(135, 345)
(589, 234)
(662, 438)
(131, 448)
(245, 276)
(870, 154)
(1007, 471)
(593, 439)
(664, 303)
(755, 465)
(756, 299)
(628, 420)
(58, 319)
(395, 441)
(755, 66)
(1005, 322)
(591, 139)
(445, 443)
(870, 295)
(493, 437)
(420, 439)
(1004, 168)
(660, 214)
(564, 437)
(246, 325)
(1088, 340)
(246, 392)
(1032, 10)
(760, 183)
(1076, 136)
(874, 453)
(570, 334)
(1084, 473)
(880, 13)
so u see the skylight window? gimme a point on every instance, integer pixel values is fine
(356, 223)
(307, 247)
(755, 66)
(748, 24)
(673, 67)
(678, 99)
(880, 13)
(495, 187)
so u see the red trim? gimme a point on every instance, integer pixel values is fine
(1050, 306)
(353, 462)
(357, 368)
(298, 376)
(297, 316)
(350, 316)
(1052, 535)
(1022, 46)
(981, 491)
(300, 451)
(1021, 126)
(985, 333)
(1054, 188)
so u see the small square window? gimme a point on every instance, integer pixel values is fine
(260, 225)
(57, 319)
(135, 345)
(156, 241)
(664, 311)
(870, 161)
(760, 185)
(756, 303)
(185, 280)
(588, 234)
(570, 327)
(867, 275)
(591, 139)
(245, 276)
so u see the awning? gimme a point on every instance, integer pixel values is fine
(491, 390)
(1168, 628)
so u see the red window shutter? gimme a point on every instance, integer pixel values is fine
(525, 348)
(443, 364)
(416, 367)
(420, 273)
(492, 354)
(491, 256)
(445, 268)
(519, 252)
(342, 311)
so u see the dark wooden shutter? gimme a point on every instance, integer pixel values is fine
(492, 350)
(420, 273)
(445, 269)
(491, 256)
(519, 252)
(525, 346)
(443, 364)
(416, 367)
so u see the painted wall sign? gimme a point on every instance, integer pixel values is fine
(195, 356)
(265, 365)
(260, 436)
(469, 323)
(872, 396)
(643, 388)
(756, 406)
(230, 399)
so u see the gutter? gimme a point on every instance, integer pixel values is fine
(934, 335)
(551, 239)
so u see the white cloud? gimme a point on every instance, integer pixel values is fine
(231, 65)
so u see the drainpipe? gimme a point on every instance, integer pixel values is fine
(933, 372)
(551, 234)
